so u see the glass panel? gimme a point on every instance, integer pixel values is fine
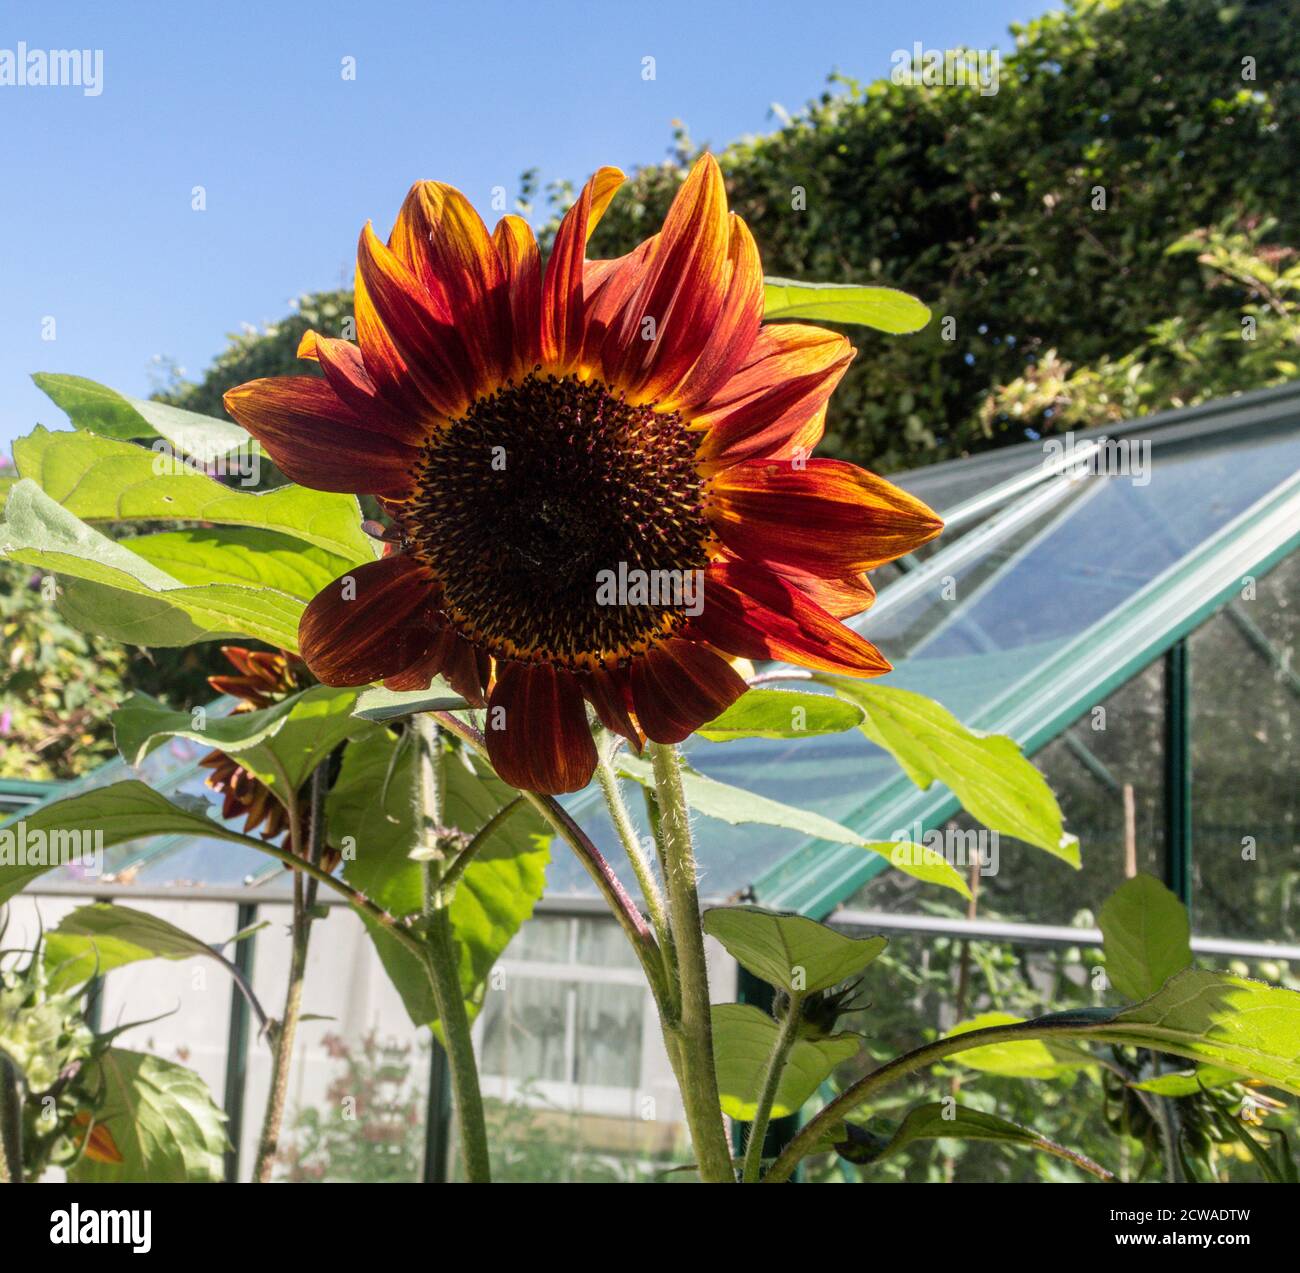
(525, 1030)
(544, 939)
(1118, 745)
(603, 944)
(1245, 796)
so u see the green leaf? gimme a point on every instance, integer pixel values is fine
(986, 772)
(1245, 1026)
(738, 807)
(1030, 1058)
(784, 949)
(99, 479)
(743, 1039)
(379, 704)
(119, 813)
(243, 556)
(884, 308)
(123, 596)
(102, 410)
(281, 744)
(495, 895)
(1147, 936)
(163, 1121)
(782, 714)
(94, 939)
(1188, 1082)
(941, 1121)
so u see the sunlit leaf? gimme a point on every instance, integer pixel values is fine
(1147, 936)
(764, 713)
(884, 308)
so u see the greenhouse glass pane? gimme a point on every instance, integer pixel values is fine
(1245, 723)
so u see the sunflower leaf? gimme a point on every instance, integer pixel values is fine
(782, 714)
(737, 806)
(785, 949)
(986, 772)
(379, 704)
(163, 1120)
(99, 409)
(102, 479)
(1147, 936)
(743, 1040)
(944, 1121)
(884, 308)
(496, 894)
(281, 744)
(109, 590)
(118, 813)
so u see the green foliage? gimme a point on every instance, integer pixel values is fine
(1147, 936)
(743, 1040)
(791, 952)
(781, 714)
(983, 206)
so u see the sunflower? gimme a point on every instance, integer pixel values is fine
(598, 474)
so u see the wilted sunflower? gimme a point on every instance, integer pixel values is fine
(547, 442)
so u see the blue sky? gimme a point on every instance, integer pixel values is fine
(249, 101)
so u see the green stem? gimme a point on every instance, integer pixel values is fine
(815, 1130)
(306, 843)
(623, 824)
(462, 859)
(11, 1124)
(441, 956)
(771, 1081)
(699, 1075)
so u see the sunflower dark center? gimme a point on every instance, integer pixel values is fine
(564, 525)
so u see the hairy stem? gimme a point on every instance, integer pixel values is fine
(306, 843)
(771, 1081)
(11, 1123)
(623, 824)
(441, 957)
(699, 1075)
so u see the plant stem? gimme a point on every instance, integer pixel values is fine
(456, 869)
(771, 1081)
(699, 1075)
(900, 1067)
(623, 824)
(11, 1124)
(306, 844)
(441, 957)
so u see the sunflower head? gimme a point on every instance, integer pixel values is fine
(599, 475)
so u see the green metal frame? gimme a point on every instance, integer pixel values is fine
(817, 877)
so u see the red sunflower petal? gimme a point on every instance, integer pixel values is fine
(522, 263)
(426, 667)
(537, 734)
(842, 598)
(750, 611)
(683, 290)
(444, 243)
(467, 671)
(316, 439)
(678, 686)
(735, 328)
(373, 627)
(562, 288)
(346, 373)
(420, 330)
(824, 517)
(610, 693)
(790, 373)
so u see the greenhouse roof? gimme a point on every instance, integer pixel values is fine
(1052, 584)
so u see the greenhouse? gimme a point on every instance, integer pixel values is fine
(1123, 608)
